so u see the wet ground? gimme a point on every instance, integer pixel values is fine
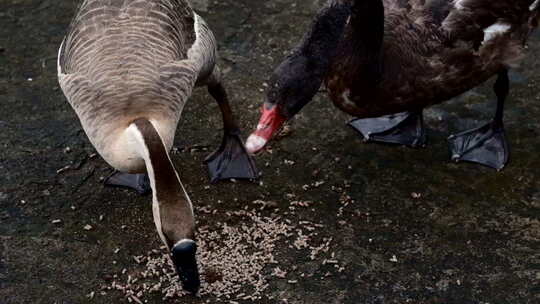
(407, 226)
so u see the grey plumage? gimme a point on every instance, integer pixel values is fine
(126, 59)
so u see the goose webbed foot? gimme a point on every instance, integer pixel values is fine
(485, 145)
(137, 182)
(183, 255)
(404, 128)
(231, 160)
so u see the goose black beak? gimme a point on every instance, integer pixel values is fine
(184, 258)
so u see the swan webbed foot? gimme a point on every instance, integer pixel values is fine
(485, 145)
(184, 258)
(231, 160)
(404, 128)
(137, 182)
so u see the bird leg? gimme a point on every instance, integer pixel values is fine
(231, 160)
(487, 144)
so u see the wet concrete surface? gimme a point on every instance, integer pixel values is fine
(417, 228)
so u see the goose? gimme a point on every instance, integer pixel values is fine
(127, 67)
(383, 61)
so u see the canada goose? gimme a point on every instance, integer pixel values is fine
(383, 61)
(127, 67)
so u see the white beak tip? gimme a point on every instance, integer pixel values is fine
(255, 143)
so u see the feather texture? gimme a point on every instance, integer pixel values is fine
(433, 50)
(126, 59)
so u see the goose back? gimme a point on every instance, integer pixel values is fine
(127, 59)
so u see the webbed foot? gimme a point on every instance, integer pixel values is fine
(485, 145)
(137, 182)
(231, 160)
(183, 255)
(402, 128)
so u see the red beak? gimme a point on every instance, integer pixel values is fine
(269, 124)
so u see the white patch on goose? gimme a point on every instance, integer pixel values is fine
(58, 66)
(492, 31)
(203, 50)
(459, 4)
(534, 5)
(196, 28)
(155, 124)
(137, 135)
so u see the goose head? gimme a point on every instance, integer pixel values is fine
(183, 255)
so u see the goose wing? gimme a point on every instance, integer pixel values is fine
(124, 59)
(117, 28)
(466, 20)
(118, 54)
(482, 20)
(460, 30)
